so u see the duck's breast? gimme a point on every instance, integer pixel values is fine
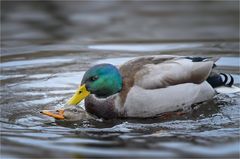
(142, 102)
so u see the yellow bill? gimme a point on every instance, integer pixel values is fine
(79, 95)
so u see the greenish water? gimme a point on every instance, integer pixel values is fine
(47, 47)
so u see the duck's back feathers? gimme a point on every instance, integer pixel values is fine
(155, 72)
(172, 72)
(155, 84)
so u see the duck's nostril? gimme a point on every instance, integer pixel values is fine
(60, 111)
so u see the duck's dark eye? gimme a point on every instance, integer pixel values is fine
(75, 110)
(93, 78)
(80, 92)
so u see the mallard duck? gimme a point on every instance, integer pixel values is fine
(148, 86)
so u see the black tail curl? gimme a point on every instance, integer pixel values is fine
(221, 79)
(226, 79)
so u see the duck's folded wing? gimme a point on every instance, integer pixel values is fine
(172, 72)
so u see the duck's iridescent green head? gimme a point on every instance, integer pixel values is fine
(102, 80)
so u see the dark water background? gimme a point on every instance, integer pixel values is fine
(47, 46)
